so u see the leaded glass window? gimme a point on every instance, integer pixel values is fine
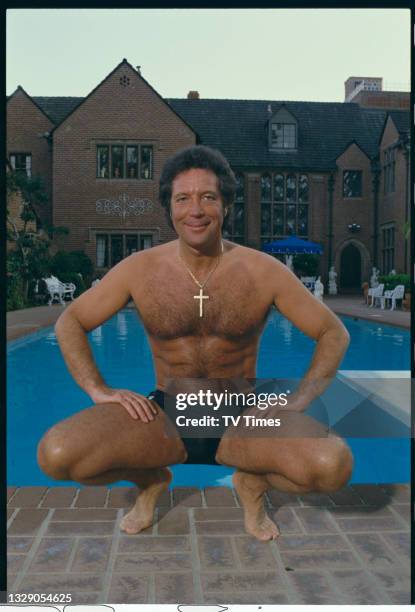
(103, 163)
(112, 247)
(234, 223)
(124, 161)
(284, 207)
(303, 188)
(279, 187)
(117, 161)
(352, 183)
(266, 188)
(388, 248)
(132, 161)
(146, 170)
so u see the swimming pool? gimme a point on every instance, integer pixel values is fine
(41, 391)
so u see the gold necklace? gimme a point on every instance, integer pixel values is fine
(201, 286)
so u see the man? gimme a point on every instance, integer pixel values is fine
(203, 302)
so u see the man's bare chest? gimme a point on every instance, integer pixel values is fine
(234, 307)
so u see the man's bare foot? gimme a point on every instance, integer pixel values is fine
(251, 489)
(141, 515)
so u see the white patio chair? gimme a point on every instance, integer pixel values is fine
(55, 290)
(373, 294)
(397, 294)
(58, 290)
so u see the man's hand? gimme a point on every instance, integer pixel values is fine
(138, 406)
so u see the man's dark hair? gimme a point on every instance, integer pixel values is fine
(197, 156)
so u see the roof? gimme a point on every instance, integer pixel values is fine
(401, 120)
(238, 128)
(57, 108)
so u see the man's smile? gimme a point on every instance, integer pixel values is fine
(197, 227)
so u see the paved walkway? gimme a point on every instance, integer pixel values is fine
(354, 306)
(28, 320)
(349, 547)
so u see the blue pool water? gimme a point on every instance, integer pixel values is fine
(41, 391)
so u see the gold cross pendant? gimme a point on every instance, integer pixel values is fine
(201, 297)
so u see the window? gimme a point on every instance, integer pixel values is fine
(130, 161)
(283, 135)
(388, 248)
(117, 161)
(103, 163)
(21, 162)
(389, 170)
(352, 183)
(113, 247)
(146, 162)
(234, 224)
(284, 205)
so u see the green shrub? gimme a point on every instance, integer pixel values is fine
(71, 262)
(15, 293)
(392, 280)
(306, 264)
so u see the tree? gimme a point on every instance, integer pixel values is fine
(29, 256)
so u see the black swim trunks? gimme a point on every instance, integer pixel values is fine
(199, 450)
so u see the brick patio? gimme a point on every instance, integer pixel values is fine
(349, 547)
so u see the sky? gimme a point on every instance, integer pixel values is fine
(269, 54)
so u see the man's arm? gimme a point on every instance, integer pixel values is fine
(87, 312)
(318, 322)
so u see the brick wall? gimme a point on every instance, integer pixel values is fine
(353, 210)
(115, 114)
(392, 205)
(26, 126)
(399, 100)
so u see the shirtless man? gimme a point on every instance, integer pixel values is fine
(127, 436)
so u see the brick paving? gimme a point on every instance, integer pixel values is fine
(351, 547)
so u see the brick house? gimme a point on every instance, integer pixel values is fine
(314, 169)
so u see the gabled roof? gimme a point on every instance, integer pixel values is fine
(236, 127)
(349, 144)
(32, 100)
(401, 120)
(80, 101)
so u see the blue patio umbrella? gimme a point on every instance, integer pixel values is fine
(292, 245)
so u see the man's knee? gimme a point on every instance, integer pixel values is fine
(53, 457)
(332, 468)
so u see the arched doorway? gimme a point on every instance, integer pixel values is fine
(350, 268)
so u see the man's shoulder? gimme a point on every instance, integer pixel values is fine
(254, 256)
(150, 255)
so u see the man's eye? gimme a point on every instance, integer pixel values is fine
(209, 197)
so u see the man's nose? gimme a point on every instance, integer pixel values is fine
(196, 207)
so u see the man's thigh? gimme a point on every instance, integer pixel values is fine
(299, 447)
(106, 436)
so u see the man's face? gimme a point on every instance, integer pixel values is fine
(197, 207)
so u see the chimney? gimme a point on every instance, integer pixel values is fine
(193, 95)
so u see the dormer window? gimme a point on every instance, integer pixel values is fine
(283, 135)
(282, 130)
